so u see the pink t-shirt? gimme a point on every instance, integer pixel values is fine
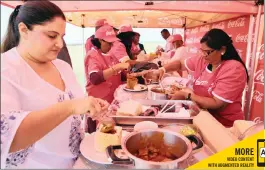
(95, 61)
(226, 83)
(118, 50)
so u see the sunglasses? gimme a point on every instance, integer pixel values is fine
(206, 52)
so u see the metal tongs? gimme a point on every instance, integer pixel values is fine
(164, 110)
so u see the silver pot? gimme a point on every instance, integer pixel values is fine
(180, 145)
(156, 95)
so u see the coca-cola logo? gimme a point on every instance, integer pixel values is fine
(205, 28)
(176, 21)
(243, 38)
(194, 30)
(193, 40)
(240, 22)
(187, 32)
(260, 52)
(196, 40)
(163, 21)
(189, 40)
(258, 96)
(259, 77)
(220, 25)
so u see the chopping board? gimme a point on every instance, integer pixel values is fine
(214, 134)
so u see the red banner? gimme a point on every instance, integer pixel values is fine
(236, 28)
(257, 102)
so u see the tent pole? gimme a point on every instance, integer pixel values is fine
(253, 65)
(248, 58)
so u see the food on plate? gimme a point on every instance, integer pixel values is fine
(155, 152)
(107, 135)
(138, 87)
(108, 127)
(158, 90)
(188, 130)
(131, 82)
(130, 108)
(174, 88)
(152, 111)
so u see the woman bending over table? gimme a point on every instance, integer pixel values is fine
(220, 77)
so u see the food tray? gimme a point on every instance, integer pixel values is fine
(132, 120)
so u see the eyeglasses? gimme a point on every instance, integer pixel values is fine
(206, 52)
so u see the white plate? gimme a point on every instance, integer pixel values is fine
(87, 149)
(141, 88)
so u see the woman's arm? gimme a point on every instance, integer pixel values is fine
(203, 102)
(175, 65)
(37, 124)
(114, 70)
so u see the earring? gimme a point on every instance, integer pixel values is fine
(222, 53)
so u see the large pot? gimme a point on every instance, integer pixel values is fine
(181, 146)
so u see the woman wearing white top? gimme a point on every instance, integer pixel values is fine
(41, 101)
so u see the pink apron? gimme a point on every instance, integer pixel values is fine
(106, 89)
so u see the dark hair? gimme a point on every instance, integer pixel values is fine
(164, 30)
(137, 34)
(127, 39)
(31, 13)
(95, 42)
(216, 39)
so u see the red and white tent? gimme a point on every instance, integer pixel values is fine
(242, 20)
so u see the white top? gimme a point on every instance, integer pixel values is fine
(23, 91)
(169, 46)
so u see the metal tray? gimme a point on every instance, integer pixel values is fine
(132, 120)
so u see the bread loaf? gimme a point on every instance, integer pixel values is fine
(130, 108)
(103, 140)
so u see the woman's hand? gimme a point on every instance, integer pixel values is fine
(176, 95)
(122, 66)
(89, 105)
(187, 90)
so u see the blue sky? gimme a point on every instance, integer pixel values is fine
(74, 34)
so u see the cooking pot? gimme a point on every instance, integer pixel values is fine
(157, 94)
(179, 144)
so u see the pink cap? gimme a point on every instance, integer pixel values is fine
(125, 28)
(175, 37)
(106, 33)
(101, 22)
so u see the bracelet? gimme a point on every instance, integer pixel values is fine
(188, 97)
(115, 72)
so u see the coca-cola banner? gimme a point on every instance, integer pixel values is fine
(236, 28)
(257, 102)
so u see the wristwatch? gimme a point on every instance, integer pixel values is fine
(188, 97)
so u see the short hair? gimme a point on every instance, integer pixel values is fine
(164, 30)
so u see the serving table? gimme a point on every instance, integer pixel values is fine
(121, 95)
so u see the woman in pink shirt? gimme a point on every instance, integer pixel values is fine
(103, 70)
(123, 48)
(220, 77)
